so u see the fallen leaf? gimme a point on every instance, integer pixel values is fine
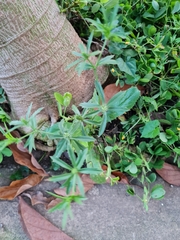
(111, 89)
(170, 174)
(38, 198)
(23, 157)
(19, 186)
(53, 203)
(37, 227)
(122, 176)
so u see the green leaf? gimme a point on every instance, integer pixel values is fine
(16, 122)
(95, 8)
(75, 62)
(1, 157)
(108, 149)
(89, 42)
(131, 63)
(107, 60)
(158, 164)
(144, 80)
(84, 138)
(76, 110)
(81, 158)
(123, 67)
(158, 192)
(90, 170)
(155, 5)
(162, 136)
(161, 13)
(148, 15)
(72, 156)
(58, 97)
(100, 91)
(176, 7)
(83, 66)
(130, 191)
(29, 111)
(132, 168)
(104, 1)
(151, 101)
(177, 150)
(98, 178)
(122, 102)
(67, 99)
(119, 32)
(111, 3)
(151, 178)
(61, 147)
(89, 105)
(30, 143)
(151, 129)
(36, 112)
(61, 163)
(7, 152)
(61, 177)
(80, 185)
(138, 161)
(103, 124)
(77, 54)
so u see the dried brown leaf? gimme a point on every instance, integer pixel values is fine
(53, 203)
(122, 176)
(23, 157)
(37, 227)
(19, 186)
(170, 174)
(38, 198)
(111, 89)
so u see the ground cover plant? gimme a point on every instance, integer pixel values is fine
(133, 132)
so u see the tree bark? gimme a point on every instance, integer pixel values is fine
(36, 44)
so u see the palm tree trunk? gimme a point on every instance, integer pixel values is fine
(36, 42)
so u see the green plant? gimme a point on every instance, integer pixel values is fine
(74, 134)
(143, 39)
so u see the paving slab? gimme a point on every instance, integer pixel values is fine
(108, 214)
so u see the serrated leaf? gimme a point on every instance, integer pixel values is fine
(119, 31)
(122, 102)
(131, 63)
(123, 66)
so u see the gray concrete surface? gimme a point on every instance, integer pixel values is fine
(108, 214)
